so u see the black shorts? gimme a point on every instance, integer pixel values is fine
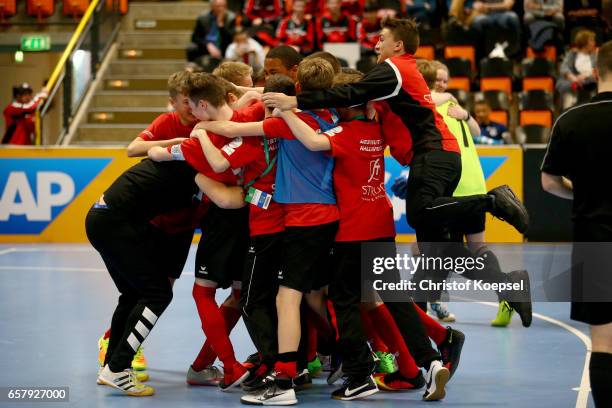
(474, 224)
(175, 249)
(307, 253)
(261, 269)
(593, 313)
(222, 249)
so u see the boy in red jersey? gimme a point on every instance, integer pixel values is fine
(18, 115)
(335, 26)
(359, 182)
(221, 251)
(297, 29)
(304, 188)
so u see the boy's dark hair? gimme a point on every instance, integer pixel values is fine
(329, 57)
(288, 56)
(205, 86)
(280, 83)
(405, 30)
(604, 60)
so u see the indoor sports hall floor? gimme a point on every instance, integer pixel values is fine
(56, 300)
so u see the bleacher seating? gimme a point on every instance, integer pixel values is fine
(538, 73)
(499, 102)
(496, 75)
(8, 8)
(536, 108)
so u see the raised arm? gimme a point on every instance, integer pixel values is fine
(232, 129)
(213, 155)
(139, 147)
(304, 133)
(383, 82)
(220, 194)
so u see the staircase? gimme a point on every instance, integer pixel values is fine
(133, 90)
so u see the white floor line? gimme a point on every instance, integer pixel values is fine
(585, 384)
(7, 251)
(48, 249)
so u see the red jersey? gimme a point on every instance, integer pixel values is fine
(166, 126)
(267, 10)
(250, 155)
(307, 214)
(368, 33)
(336, 31)
(353, 7)
(359, 181)
(19, 122)
(302, 35)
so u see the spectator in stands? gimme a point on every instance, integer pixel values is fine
(264, 16)
(493, 15)
(490, 132)
(245, 49)
(297, 29)
(546, 10)
(335, 26)
(353, 7)
(544, 22)
(213, 33)
(19, 115)
(423, 11)
(577, 69)
(368, 29)
(238, 73)
(460, 13)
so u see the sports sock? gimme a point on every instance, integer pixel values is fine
(393, 339)
(600, 370)
(207, 355)
(286, 364)
(107, 334)
(371, 334)
(434, 330)
(311, 345)
(213, 325)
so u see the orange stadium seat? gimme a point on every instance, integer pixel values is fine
(536, 117)
(427, 52)
(500, 116)
(459, 83)
(461, 51)
(503, 84)
(40, 8)
(75, 8)
(7, 9)
(550, 53)
(538, 74)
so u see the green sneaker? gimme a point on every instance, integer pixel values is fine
(315, 368)
(504, 315)
(387, 364)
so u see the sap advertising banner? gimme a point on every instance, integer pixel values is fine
(45, 193)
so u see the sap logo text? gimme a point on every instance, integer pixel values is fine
(34, 191)
(52, 189)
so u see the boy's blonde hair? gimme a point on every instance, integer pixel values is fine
(233, 71)
(315, 73)
(176, 83)
(429, 70)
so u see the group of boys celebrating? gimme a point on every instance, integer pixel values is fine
(285, 199)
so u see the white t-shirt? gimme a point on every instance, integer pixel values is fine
(256, 59)
(583, 64)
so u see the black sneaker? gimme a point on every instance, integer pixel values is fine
(450, 349)
(336, 369)
(356, 387)
(509, 208)
(522, 308)
(397, 382)
(277, 391)
(303, 380)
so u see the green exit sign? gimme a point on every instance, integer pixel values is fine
(35, 43)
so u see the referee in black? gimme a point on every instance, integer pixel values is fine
(577, 167)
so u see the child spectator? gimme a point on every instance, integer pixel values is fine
(18, 115)
(245, 49)
(335, 26)
(577, 68)
(297, 29)
(490, 132)
(264, 16)
(368, 29)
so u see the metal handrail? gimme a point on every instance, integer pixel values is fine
(62, 73)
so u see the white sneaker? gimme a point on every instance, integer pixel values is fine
(141, 376)
(436, 378)
(441, 312)
(125, 381)
(210, 375)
